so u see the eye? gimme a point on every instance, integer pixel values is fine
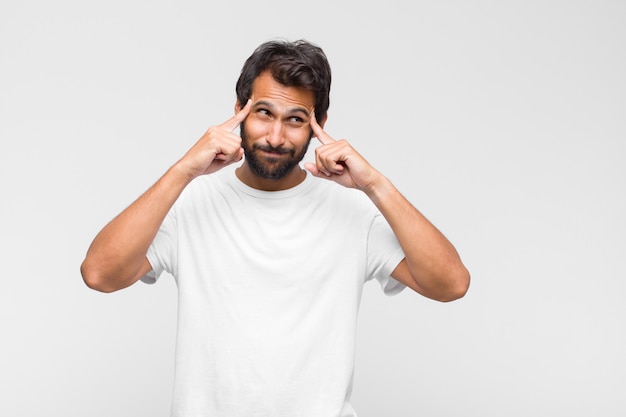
(296, 119)
(263, 112)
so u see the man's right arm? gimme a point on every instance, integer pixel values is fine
(116, 258)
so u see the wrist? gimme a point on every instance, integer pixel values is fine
(179, 174)
(378, 189)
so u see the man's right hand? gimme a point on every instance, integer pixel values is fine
(117, 256)
(217, 148)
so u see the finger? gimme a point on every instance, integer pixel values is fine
(312, 168)
(232, 123)
(328, 163)
(222, 160)
(230, 157)
(319, 133)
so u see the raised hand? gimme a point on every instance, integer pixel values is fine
(217, 148)
(337, 160)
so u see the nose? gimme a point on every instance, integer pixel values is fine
(275, 135)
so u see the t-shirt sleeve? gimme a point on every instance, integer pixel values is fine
(162, 251)
(383, 255)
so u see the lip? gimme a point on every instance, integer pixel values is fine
(274, 154)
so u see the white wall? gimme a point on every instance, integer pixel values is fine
(503, 122)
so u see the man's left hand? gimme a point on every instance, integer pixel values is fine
(337, 160)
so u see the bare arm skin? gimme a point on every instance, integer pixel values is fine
(432, 266)
(117, 257)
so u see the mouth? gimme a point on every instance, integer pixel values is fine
(273, 152)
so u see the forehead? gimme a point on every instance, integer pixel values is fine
(266, 88)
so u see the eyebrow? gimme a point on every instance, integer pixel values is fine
(290, 110)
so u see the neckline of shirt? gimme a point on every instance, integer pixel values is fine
(231, 178)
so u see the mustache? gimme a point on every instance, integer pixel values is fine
(269, 148)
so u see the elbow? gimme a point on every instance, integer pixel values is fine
(93, 278)
(458, 285)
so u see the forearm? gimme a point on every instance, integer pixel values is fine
(432, 266)
(116, 257)
(432, 261)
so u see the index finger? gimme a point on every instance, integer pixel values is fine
(322, 136)
(232, 123)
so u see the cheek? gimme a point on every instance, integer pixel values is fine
(298, 135)
(254, 127)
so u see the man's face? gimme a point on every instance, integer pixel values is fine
(276, 134)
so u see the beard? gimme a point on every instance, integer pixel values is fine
(271, 168)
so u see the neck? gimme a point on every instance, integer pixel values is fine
(251, 179)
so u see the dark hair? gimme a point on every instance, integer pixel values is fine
(293, 64)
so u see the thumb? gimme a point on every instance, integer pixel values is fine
(312, 168)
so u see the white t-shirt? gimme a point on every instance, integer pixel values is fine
(269, 287)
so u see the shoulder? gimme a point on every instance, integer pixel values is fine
(213, 187)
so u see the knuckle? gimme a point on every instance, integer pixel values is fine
(211, 132)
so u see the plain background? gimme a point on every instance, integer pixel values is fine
(503, 122)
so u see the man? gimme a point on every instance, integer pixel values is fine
(270, 260)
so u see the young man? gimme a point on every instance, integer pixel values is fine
(270, 259)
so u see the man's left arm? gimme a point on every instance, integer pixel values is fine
(432, 266)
